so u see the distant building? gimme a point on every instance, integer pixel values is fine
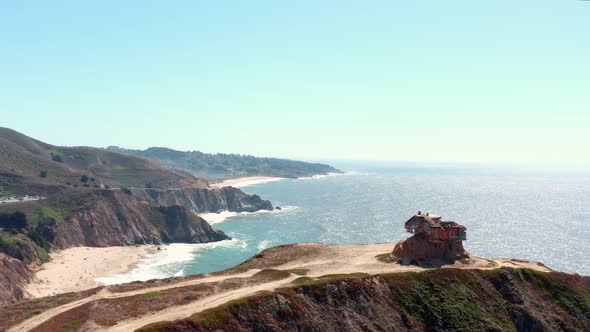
(435, 229)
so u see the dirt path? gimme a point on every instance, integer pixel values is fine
(197, 306)
(323, 260)
(105, 294)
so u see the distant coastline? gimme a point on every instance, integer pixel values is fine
(245, 181)
(252, 180)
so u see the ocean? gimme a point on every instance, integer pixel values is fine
(510, 212)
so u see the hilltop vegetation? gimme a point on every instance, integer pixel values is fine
(29, 166)
(438, 300)
(223, 166)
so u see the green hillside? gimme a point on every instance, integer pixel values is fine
(224, 166)
(29, 166)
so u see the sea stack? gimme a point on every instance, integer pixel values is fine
(435, 242)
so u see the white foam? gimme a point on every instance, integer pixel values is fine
(246, 183)
(322, 176)
(215, 218)
(168, 262)
(263, 245)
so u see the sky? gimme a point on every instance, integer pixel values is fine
(500, 81)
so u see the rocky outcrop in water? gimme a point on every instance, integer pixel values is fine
(437, 300)
(205, 199)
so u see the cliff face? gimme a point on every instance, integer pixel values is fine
(113, 218)
(441, 300)
(101, 218)
(14, 275)
(205, 199)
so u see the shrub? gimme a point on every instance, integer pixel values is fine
(43, 173)
(84, 178)
(12, 246)
(127, 191)
(86, 185)
(46, 212)
(39, 240)
(16, 220)
(57, 158)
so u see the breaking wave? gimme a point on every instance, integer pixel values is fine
(168, 262)
(215, 218)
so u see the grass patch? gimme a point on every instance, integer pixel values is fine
(386, 258)
(272, 274)
(344, 276)
(491, 263)
(545, 266)
(299, 272)
(71, 326)
(42, 254)
(46, 212)
(147, 296)
(302, 280)
(464, 261)
(14, 246)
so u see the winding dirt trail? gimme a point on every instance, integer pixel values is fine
(197, 306)
(105, 294)
(315, 259)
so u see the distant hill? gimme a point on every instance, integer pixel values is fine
(29, 166)
(224, 166)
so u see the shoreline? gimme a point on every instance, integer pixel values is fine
(245, 181)
(251, 180)
(76, 269)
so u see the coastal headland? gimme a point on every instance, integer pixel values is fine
(281, 267)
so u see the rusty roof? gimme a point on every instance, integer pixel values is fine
(434, 221)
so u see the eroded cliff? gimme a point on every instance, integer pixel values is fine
(103, 218)
(205, 199)
(93, 218)
(14, 275)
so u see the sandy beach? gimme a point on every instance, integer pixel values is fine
(75, 269)
(246, 181)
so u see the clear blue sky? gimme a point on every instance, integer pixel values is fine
(484, 81)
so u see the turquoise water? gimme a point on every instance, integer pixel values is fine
(521, 213)
(539, 215)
